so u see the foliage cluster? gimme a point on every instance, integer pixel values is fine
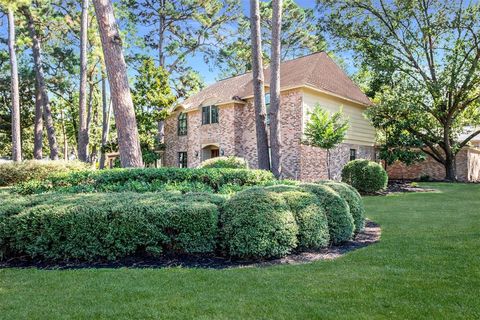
(106, 226)
(265, 222)
(14, 173)
(260, 222)
(365, 176)
(225, 162)
(148, 179)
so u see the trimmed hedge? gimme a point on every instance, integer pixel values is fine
(224, 163)
(258, 223)
(108, 226)
(354, 200)
(365, 176)
(12, 173)
(145, 180)
(340, 220)
(309, 215)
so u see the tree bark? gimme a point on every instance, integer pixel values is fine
(41, 86)
(258, 87)
(15, 96)
(275, 138)
(106, 110)
(82, 111)
(38, 126)
(65, 139)
(128, 140)
(328, 165)
(161, 59)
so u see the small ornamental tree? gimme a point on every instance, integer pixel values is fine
(325, 131)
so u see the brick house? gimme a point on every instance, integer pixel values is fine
(220, 120)
(467, 165)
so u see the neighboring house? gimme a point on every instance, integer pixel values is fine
(467, 164)
(220, 120)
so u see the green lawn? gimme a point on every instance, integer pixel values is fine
(427, 265)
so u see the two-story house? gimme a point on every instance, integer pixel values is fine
(220, 120)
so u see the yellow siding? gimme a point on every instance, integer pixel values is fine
(360, 131)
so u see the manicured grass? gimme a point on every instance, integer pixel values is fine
(427, 265)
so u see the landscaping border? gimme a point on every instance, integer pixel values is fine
(370, 235)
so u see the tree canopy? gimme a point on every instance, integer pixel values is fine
(423, 59)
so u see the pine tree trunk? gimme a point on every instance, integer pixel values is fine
(258, 87)
(127, 132)
(275, 138)
(161, 59)
(65, 139)
(82, 111)
(106, 109)
(15, 96)
(41, 86)
(38, 126)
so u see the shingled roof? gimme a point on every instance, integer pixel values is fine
(316, 70)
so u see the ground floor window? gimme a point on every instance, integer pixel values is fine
(353, 154)
(182, 159)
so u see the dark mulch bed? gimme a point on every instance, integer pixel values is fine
(400, 186)
(370, 235)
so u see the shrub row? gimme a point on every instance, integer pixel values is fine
(13, 173)
(273, 221)
(260, 222)
(145, 180)
(110, 226)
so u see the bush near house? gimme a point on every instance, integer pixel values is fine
(225, 162)
(12, 173)
(144, 180)
(365, 176)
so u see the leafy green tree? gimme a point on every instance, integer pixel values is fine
(299, 37)
(325, 131)
(177, 30)
(424, 57)
(153, 99)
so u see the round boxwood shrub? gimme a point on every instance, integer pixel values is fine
(225, 162)
(354, 200)
(309, 214)
(257, 223)
(365, 176)
(340, 220)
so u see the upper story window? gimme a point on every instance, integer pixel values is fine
(267, 105)
(353, 154)
(182, 124)
(209, 114)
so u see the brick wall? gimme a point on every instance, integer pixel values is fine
(430, 168)
(314, 160)
(235, 134)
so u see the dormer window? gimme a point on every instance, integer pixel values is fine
(209, 114)
(182, 124)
